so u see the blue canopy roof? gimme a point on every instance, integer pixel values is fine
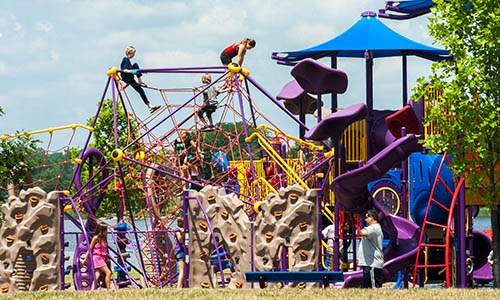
(368, 34)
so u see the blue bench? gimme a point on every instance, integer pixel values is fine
(324, 277)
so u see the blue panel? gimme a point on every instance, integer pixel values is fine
(423, 171)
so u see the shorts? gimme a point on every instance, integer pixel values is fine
(210, 107)
(179, 255)
(225, 59)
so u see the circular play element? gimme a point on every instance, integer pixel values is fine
(117, 155)
(386, 194)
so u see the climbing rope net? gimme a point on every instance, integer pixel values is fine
(145, 163)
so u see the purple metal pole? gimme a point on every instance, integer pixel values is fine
(460, 236)
(470, 240)
(369, 100)
(131, 214)
(90, 133)
(404, 199)
(156, 262)
(61, 238)
(249, 149)
(319, 106)
(124, 268)
(174, 112)
(185, 244)
(115, 129)
(405, 80)
(334, 96)
(91, 256)
(302, 118)
(178, 70)
(404, 182)
(336, 210)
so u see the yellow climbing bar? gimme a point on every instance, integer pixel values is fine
(277, 158)
(289, 137)
(49, 130)
(266, 183)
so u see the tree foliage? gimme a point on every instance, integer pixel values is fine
(16, 159)
(468, 112)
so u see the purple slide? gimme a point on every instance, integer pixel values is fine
(482, 246)
(351, 193)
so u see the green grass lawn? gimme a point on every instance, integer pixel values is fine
(249, 294)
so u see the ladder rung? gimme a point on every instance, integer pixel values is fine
(431, 266)
(435, 224)
(433, 245)
(439, 203)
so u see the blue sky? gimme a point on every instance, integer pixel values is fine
(54, 54)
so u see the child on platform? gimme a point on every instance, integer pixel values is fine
(128, 72)
(237, 50)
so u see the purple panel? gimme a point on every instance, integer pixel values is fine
(291, 91)
(482, 247)
(316, 78)
(418, 108)
(379, 136)
(350, 188)
(333, 125)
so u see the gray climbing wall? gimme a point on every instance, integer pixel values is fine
(289, 219)
(30, 248)
(231, 228)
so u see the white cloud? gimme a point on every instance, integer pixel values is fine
(43, 26)
(3, 67)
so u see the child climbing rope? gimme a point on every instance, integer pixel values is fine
(209, 101)
(128, 72)
(99, 248)
(237, 49)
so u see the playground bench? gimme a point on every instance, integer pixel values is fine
(324, 277)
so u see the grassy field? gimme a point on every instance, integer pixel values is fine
(249, 294)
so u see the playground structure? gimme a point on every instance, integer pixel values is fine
(260, 204)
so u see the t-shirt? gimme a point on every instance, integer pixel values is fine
(210, 93)
(371, 253)
(126, 64)
(178, 244)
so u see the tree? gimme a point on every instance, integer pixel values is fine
(468, 114)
